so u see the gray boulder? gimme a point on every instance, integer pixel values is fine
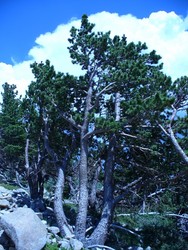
(4, 204)
(76, 244)
(25, 229)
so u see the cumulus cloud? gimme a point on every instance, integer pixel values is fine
(165, 32)
(19, 74)
(53, 46)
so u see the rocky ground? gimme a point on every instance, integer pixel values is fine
(23, 229)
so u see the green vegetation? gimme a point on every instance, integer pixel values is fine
(9, 186)
(113, 141)
(52, 247)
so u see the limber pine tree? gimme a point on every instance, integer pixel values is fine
(46, 125)
(115, 75)
(121, 95)
(12, 135)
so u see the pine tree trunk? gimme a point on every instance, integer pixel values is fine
(62, 223)
(83, 175)
(35, 181)
(101, 231)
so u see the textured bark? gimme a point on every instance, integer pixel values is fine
(64, 227)
(35, 179)
(93, 187)
(62, 223)
(177, 146)
(83, 194)
(83, 177)
(100, 233)
(170, 133)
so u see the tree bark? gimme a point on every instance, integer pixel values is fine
(93, 185)
(99, 235)
(101, 231)
(83, 176)
(62, 223)
(170, 133)
(64, 227)
(35, 180)
(177, 146)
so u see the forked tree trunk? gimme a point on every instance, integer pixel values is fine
(80, 229)
(100, 233)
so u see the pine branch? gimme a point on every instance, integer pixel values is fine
(170, 133)
(107, 88)
(95, 132)
(157, 192)
(125, 189)
(125, 229)
(69, 119)
(128, 135)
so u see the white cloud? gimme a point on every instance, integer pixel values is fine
(164, 32)
(19, 74)
(53, 46)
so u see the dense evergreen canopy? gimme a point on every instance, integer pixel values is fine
(115, 139)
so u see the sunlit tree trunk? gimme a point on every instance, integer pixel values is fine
(83, 175)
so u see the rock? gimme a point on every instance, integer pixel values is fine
(25, 229)
(40, 215)
(53, 230)
(21, 198)
(65, 244)
(5, 241)
(4, 203)
(4, 190)
(54, 240)
(20, 191)
(76, 244)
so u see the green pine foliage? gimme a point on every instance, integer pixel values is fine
(12, 137)
(147, 173)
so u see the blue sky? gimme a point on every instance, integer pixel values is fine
(23, 20)
(35, 30)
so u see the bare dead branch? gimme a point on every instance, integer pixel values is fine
(125, 229)
(128, 135)
(101, 246)
(162, 190)
(125, 189)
